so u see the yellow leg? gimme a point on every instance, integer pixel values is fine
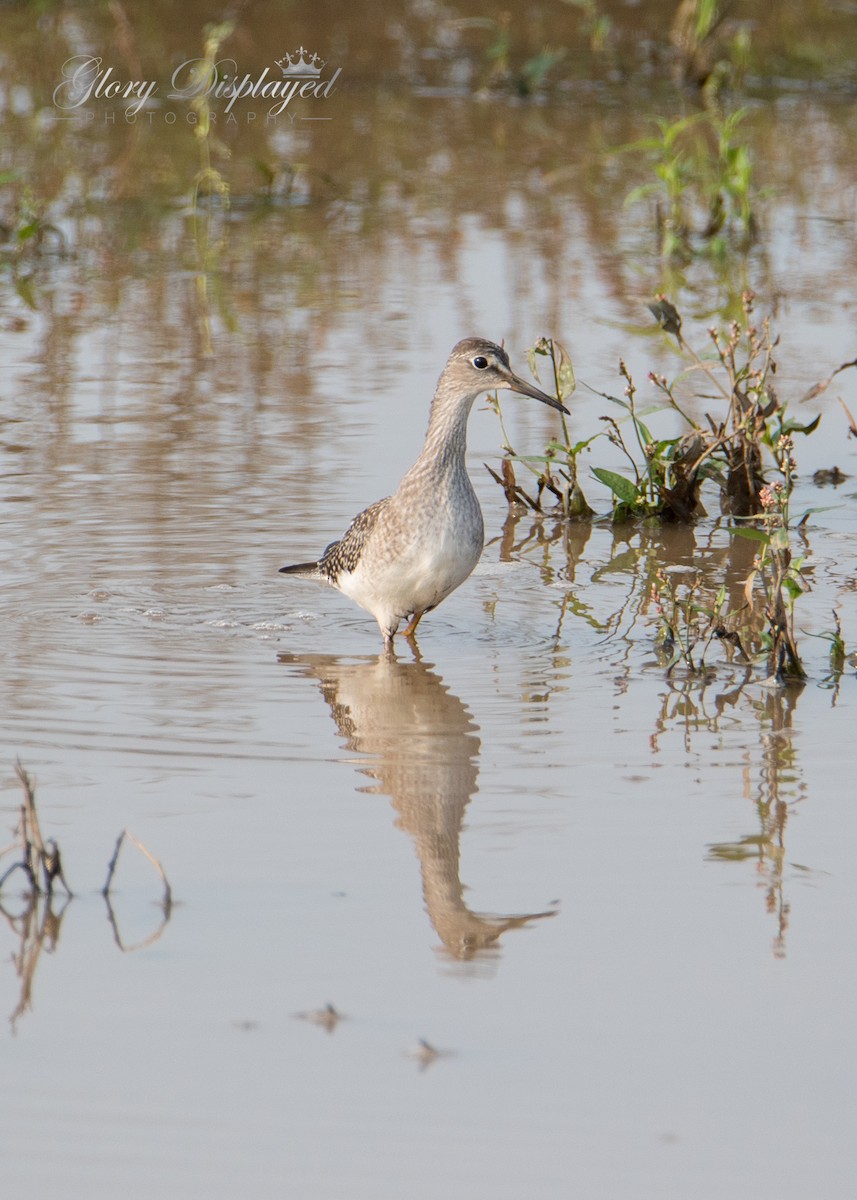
(412, 627)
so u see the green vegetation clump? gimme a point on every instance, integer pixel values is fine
(744, 450)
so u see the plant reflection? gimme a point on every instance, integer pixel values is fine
(778, 786)
(727, 695)
(709, 699)
(419, 742)
(141, 943)
(37, 928)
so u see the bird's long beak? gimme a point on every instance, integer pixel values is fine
(528, 389)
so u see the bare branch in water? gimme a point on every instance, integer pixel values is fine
(40, 860)
(167, 902)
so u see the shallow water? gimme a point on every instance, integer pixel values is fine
(617, 903)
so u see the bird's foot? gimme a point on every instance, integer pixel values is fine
(410, 630)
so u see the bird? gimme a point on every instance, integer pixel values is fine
(401, 556)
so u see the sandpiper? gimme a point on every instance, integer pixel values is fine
(404, 554)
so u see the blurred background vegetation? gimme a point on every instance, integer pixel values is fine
(660, 142)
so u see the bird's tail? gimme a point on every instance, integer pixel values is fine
(308, 570)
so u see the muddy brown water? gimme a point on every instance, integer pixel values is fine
(617, 903)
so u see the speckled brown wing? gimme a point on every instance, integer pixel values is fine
(344, 555)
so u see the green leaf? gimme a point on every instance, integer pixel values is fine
(644, 431)
(564, 370)
(710, 470)
(619, 485)
(797, 427)
(702, 610)
(624, 512)
(539, 348)
(810, 511)
(534, 458)
(556, 447)
(24, 288)
(754, 535)
(640, 193)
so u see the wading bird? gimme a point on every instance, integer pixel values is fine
(404, 554)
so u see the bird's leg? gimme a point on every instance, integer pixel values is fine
(411, 629)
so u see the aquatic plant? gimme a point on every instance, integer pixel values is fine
(529, 76)
(746, 450)
(708, 52)
(25, 234)
(24, 229)
(668, 478)
(731, 450)
(702, 186)
(728, 447)
(777, 569)
(595, 25)
(689, 617)
(763, 623)
(838, 649)
(208, 177)
(555, 471)
(207, 180)
(733, 447)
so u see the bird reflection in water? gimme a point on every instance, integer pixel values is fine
(419, 742)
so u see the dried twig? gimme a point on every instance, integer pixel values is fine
(40, 860)
(824, 384)
(167, 902)
(513, 491)
(852, 424)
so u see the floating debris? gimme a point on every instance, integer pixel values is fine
(424, 1054)
(328, 1018)
(831, 476)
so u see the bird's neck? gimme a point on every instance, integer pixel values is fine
(445, 445)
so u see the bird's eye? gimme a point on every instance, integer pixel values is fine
(480, 362)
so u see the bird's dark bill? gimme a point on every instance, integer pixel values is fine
(529, 389)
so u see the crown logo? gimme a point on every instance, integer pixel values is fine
(296, 66)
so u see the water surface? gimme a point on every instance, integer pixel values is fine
(615, 901)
